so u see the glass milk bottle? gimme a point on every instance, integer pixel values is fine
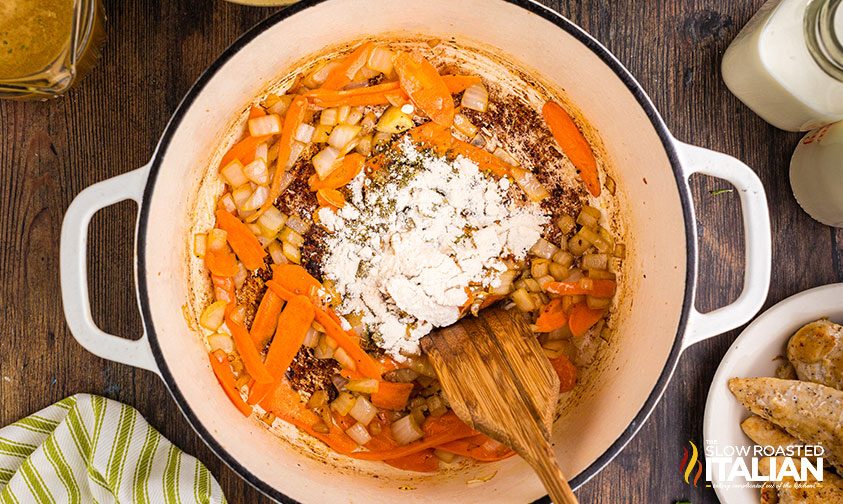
(787, 63)
(816, 174)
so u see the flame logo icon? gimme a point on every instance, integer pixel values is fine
(686, 467)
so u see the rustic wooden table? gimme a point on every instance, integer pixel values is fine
(111, 122)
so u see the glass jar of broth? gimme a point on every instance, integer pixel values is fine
(47, 45)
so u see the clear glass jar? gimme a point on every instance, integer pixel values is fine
(46, 46)
(787, 63)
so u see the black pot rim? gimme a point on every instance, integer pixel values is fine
(535, 8)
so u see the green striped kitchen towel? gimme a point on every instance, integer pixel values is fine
(91, 449)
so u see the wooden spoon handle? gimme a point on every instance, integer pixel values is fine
(544, 463)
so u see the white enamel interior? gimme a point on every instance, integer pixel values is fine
(655, 275)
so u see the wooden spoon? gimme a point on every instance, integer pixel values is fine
(498, 380)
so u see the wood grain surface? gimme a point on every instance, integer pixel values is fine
(111, 122)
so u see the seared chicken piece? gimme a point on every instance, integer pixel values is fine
(811, 412)
(816, 352)
(827, 491)
(766, 433)
(785, 370)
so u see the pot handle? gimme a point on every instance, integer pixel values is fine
(73, 253)
(758, 247)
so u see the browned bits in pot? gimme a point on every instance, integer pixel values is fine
(309, 374)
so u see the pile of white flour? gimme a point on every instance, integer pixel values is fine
(402, 252)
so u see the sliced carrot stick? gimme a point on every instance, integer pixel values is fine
(256, 111)
(423, 461)
(573, 144)
(287, 405)
(459, 83)
(219, 363)
(552, 317)
(425, 87)
(366, 365)
(349, 167)
(582, 318)
(293, 324)
(566, 371)
(338, 77)
(480, 447)
(266, 318)
(484, 159)
(437, 431)
(295, 279)
(392, 396)
(280, 290)
(330, 198)
(431, 134)
(292, 120)
(247, 350)
(221, 262)
(369, 95)
(223, 288)
(242, 240)
(244, 150)
(602, 288)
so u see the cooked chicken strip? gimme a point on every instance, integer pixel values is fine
(811, 412)
(766, 433)
(816, 352)
(827, 491)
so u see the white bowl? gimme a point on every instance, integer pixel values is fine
(754, 354)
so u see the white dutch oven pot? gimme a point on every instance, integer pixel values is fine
(652, 169)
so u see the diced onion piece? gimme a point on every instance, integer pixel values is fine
(322, 350)
(272, 221)
(610, 185)
(342, 113)
(262, 152)
(539, 267)
(257, 172)
(620, 251)
(368, 122)
(241, 195)
(502, 153)
(305, 132)
(298, 224)
(589, 217)
(381, 139)
(543, 281)
(321, 134)
(363, 385)
(505, 286)
(421, 366)
(444, 456)
(325, 161)
(344, 359)
(213, 315)
(233, 174)
(532, 285)
(405, 430)
(217, 239)
(364, 146)
(295, 151)
(528, 183)
(565, 223)
(200, 244)
(523, 300)
(354, 116)
(558, 271)
(363, 411)
(436, 406)
(380, 60)
(227, 202)
(577, 245)
(596, 303)
(289, 235)
(311, 338)
(394, 120)
(342, 135)
(276, 252)
(257, 199)
(601, 275)
(287, 178)
(281, 105)
(465, 126)
(293, 254)
(595, 261)
(475, 98)
(269, 124)
(241, 275)
(543, 249)
(328, 117)
(343, 403)
(317, 77)
(358, 433)
(331, 342)
(220, 341)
